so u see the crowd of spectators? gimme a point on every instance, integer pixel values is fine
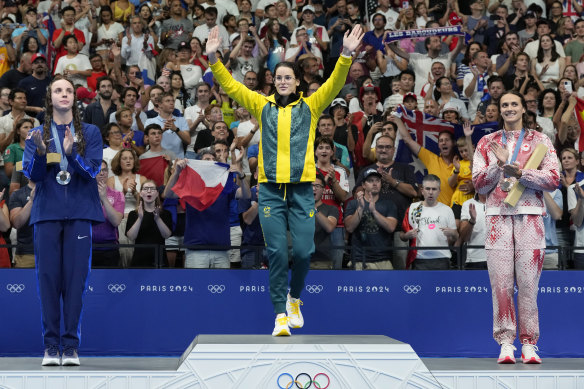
(143, 78)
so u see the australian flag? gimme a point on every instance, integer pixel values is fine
(424, 129)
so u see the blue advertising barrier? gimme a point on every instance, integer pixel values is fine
(159, 312)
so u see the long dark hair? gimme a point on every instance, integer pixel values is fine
(437, 93)
(553, 92)
(18, 126)
(270, 35)
(25, 45)
(183, 96)
(47, 134)
(466, 59)
(555, 54)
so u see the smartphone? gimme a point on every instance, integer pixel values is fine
(405, 4)
(494, 17)
(568, 86)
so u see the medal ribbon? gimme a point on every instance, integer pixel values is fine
(517, 145)
(63, 163)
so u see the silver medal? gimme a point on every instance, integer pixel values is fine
(63, 177)
(506, 185)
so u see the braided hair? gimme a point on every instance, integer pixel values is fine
(47, 133)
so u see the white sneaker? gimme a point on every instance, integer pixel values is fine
(295, 318)
(52, 357)
(70, 357)
(506, 355)
(528, 353)
(281, 327)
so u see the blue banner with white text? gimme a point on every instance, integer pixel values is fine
(159, 312)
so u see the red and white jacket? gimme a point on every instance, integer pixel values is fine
(487, 176)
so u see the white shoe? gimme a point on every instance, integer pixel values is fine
(295, 318)
(281, 327)
(528, 353)
(506, 355)
(70, 357)
(52, 357)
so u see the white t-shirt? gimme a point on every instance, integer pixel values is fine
(112, 33)
(315, 29)
(429, 223)
(477, 237)
(476, 97)
(243, 129)
(422, 65)
(79, 62)
(191, 74)
(191, 114)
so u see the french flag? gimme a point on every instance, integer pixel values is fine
(201, 182)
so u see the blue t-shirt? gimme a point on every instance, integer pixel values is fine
(252, 233)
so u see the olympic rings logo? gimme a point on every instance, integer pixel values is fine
(116, 288)
(314, 288)
(216, 289)
(409, 289)
(15, 288)
(304, 381)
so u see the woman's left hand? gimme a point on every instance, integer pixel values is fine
(352, 38)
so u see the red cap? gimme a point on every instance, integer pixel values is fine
(368, 88)
(410, 94)
(454, 19)
(37, 56)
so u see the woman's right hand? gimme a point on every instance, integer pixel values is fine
(37, 138)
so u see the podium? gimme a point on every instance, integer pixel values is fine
(299, 361)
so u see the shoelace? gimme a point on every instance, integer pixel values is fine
(282, 320)
(531, 348)
(69, 352)
(53, 350)
(508, 348)
(295, 306)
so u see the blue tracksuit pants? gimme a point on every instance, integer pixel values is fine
(63, 260)
(282, 206)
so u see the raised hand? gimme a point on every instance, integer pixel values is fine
(456, 163)
(353, 38)
(472, 211)
(213, 42)
(468, 130)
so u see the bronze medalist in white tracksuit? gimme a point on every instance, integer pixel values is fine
(515, 238)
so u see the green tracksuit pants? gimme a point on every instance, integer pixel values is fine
(292, 206)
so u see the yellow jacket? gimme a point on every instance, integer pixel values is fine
(286, 149)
